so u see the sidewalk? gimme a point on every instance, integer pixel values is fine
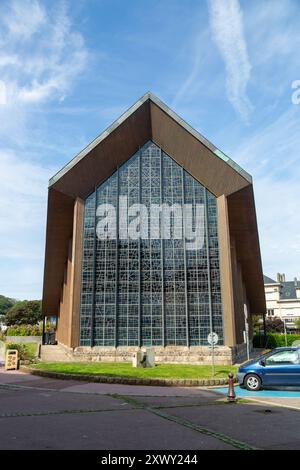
(285, 397)
(40, 413)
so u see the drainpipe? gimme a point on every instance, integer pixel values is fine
(43, 331)
(265, 330)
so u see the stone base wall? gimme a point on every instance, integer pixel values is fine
(224, 355)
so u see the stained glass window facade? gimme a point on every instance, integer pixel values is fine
(152, 290)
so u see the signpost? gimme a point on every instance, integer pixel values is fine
(285, 332)
(213, 340)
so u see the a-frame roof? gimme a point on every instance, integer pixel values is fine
(148, 97)
(150, 119)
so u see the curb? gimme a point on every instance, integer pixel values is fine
(127, 380)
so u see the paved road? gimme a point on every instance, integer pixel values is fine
(41, 413)
(2, 349)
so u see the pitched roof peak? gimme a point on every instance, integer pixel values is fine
(151, 97)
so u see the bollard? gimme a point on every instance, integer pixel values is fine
(231, 397)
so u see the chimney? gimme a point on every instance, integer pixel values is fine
(295, 282)
(280, 277)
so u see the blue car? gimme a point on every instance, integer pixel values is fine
(281, 367)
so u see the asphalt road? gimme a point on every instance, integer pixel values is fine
(41, 413)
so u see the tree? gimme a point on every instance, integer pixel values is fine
(24, 312)
(274, 325)
(5, 304)
(297, 323)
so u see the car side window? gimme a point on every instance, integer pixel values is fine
(283, 357)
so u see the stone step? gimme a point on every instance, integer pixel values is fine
(54, 353)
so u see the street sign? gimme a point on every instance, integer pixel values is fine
(212, 339)
(11, 362)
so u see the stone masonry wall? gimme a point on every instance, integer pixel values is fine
(224, 355)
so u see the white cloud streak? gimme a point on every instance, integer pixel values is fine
(3, 100)
(272, 156)
(41, 57)
(24, 18)
(226, 24)
(43, 54)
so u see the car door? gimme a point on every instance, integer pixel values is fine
(282, 368)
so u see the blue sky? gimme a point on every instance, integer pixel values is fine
(69, 68)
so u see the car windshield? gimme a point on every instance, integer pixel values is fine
(283, 357)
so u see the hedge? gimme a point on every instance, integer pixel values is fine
(26, 351)
(274, 340)
(24, 330)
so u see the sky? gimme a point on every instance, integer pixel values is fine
(69, 68)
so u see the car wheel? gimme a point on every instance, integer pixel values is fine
(252, 383)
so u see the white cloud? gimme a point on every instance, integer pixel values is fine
(22, 224)
(43, 54)
(41, 57)
(272, 156)
(24, 18)
(37, 92)
(226, 23)
(2, 93)
(6, 60)
(22, 202)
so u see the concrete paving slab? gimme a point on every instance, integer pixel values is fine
(133, 389)
(292, 403)
(48, 383)
(32, 401)
(251, 423)
(136, 429)
(200, 399)
(15, 376)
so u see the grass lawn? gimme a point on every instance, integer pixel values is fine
(166, 371)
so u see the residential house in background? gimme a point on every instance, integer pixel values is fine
(283, 299)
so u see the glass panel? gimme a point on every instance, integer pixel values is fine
(156, 290)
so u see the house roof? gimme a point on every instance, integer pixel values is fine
(289, 290)
(268, 280)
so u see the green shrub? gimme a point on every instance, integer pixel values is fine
(274, 340)
(24, 330)
(21, 348)
(27, 351)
